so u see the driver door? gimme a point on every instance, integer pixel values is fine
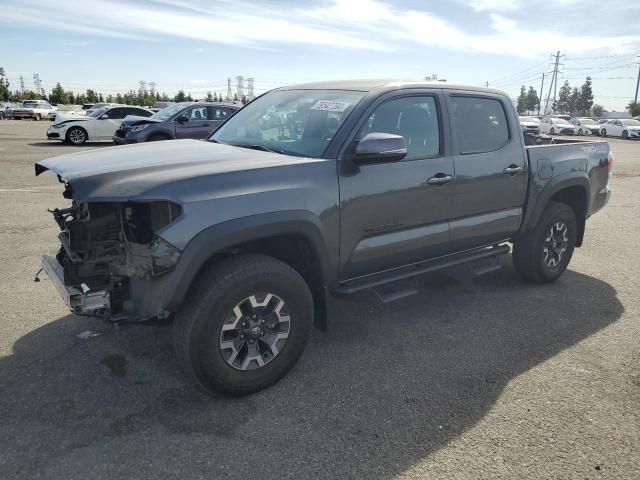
(107, 123)
(198, 123)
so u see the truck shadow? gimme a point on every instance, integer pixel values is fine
(383, 389)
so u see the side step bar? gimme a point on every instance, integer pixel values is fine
(427, 266)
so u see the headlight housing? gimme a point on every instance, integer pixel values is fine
(138, 128)
(59, 125)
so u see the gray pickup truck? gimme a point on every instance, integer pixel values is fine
(311, 190)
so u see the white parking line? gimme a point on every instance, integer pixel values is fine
(28, 190)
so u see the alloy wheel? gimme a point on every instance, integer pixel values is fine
(255, 332)
(555, 244)
(76, 136)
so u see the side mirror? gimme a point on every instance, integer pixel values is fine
(104, 117)
(182, 119)
(380, 147)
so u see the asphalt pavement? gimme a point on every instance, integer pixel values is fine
(475, 377)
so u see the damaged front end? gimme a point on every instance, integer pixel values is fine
(111, 255)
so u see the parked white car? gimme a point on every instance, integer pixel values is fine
(530, 124)
(96, 126)
(34, 109)
(557, 126)
(586, 126)
(625, 128)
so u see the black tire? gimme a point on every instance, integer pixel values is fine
(603, 132)
(76, 136)
(625, 135)
(197, 328)
(37, 117)
(552, 132)
(580, 132)
(529, 258)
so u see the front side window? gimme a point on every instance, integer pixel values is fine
(293, 122)
(480, 124)
(414, 118)
(197, 113)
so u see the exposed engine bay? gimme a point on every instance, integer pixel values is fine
(108, 250)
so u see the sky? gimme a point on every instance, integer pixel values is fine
(110, 45)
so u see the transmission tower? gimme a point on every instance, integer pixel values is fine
(554, 81)
(21, 84)
(38, 84)
(229, 94)
(152, 88)
(142, 87)
(240, 86)
(250, 94)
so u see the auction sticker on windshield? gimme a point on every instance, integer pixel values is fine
(330, 106)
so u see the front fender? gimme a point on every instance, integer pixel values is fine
(219, 237)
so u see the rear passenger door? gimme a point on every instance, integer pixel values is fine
(218, 116)
(491, 169)
(198, 125)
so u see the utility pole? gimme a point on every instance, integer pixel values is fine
(21, 84)
(540, 97)
(250, 94)
(229, 94)
(637, 85)
(554, 80)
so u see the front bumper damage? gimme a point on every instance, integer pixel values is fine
(111, 262)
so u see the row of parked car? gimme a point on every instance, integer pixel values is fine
(124, 124)
(566, 125)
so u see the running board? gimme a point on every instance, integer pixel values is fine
(428, 266)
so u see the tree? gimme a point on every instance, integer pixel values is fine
(634, 108)
(58, 95)
(532, 99)
(119, 98)
(586, 97)
(597, 110)
(5, 93)
(92, 97)
(564, 97)
(72, 98)
(209, 97)
(574, 101)
(180, 96)
(522, 100)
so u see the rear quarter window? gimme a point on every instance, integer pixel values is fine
(479, 124)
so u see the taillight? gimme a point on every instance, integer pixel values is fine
(610, 160)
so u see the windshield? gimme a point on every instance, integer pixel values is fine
(631, 123)
(529, 119)
(587, 121)
(294, 122)
(97, 112)
(31, 104)
(560, 121)
(169, 111)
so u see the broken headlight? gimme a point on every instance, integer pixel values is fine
(164, 256)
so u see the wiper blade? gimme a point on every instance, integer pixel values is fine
(257, 147)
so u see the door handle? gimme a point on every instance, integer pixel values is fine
(513, 170)
(439, 179)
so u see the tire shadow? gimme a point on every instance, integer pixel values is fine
(384, 388)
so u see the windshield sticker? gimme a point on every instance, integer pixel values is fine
(330, 106)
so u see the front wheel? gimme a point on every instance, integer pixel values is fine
(625, 135)
(544, 253)
(77, 136)
(37, 117)
(603, 132)
(246, 322)
(580, 131)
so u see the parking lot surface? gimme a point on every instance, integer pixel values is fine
(485, 377)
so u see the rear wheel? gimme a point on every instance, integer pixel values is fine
(552, 132)
(246, 322)
(76, 136)
(544, 253)
(603, 132)
(37, 117)
(579, 131)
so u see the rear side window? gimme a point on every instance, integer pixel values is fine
(480, 124)
(117, 113)
(139, 112)
(220, 113)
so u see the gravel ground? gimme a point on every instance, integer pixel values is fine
(474, 378)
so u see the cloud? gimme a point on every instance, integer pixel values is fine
(373, 25)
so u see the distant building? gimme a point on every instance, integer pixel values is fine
(615, 115)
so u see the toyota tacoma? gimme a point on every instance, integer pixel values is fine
(351, 186)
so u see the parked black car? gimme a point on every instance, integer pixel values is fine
(183, 120)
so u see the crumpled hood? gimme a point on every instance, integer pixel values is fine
(137, 120)
(149, 170)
